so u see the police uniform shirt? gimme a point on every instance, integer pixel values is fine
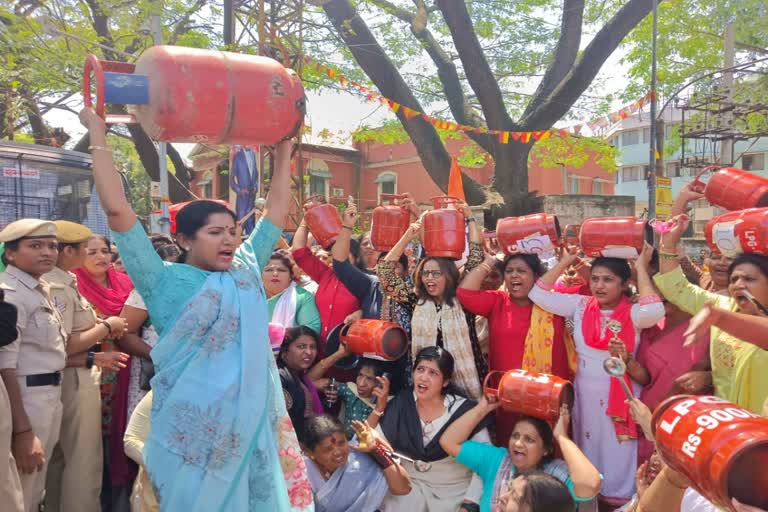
(77, 315)
(40, 346)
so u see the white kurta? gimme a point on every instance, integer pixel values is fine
(593, 430)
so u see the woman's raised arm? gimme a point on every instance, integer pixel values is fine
(120, 215)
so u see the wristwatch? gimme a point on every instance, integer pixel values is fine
(89, 360)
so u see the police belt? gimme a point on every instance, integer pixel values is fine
(44, 379)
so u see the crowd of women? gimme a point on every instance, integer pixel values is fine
(221, 389)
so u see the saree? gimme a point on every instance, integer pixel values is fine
(221, 438)
(358, 485)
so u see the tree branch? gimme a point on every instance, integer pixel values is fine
(182, 26)
(150, 161)
(478, 71)
(373, 60)
(461, 108)
(587, 66)
(565, 52)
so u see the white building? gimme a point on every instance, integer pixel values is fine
(632, 137)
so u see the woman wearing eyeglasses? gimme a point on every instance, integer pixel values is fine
(438, 317)
(287, 304)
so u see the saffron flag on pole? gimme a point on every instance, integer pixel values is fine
(455, 184)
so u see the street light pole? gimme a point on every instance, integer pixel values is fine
(652, 142)
(165, 214)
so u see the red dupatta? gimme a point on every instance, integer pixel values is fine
(109, 302)
(595, 337)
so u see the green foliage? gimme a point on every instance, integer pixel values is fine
(574, 152)
(690, 41)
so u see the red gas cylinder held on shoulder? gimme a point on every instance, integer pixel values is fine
(530, 234)
(530, 393)
(389, 222)
(323, 220)
(733, 189)
(174, 210)
(741, 231)
(721, 447)
(376, 339)
(614, 237)
(181, 94)
(444, 234)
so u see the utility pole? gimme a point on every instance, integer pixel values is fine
(229, 24)
(165, 215)
(652, 142)
(726, 145)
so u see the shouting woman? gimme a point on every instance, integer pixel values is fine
(214, 368)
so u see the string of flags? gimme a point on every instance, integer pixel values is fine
(503, 135)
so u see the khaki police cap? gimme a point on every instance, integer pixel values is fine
(28, 228)
(71, 233)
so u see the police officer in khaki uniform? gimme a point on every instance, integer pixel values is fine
(31, 366)
(11, 498)
(75, 469)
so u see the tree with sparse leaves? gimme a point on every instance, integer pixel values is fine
(478, 59)
(41, 68)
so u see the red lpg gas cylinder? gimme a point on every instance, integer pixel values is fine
(174, 210)
(734, 189)
(741, 231)
(375, 339)
(720, 447)
(181, 94)
(531, 234)
(389, 222)
(614, 237)
(530, 393)
(444, 229)
(323, 220)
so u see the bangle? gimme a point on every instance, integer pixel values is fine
(485, 267)
(22, 432)
(382, 457)
(668, 255)
(99, 148)
(89, 359)
(344, 226)
(471, 219)
(109, 327)
(377, 413)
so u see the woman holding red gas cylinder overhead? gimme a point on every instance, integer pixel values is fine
(739, 368)
(522, 334)
(438, 317)
(214, 367)
(603, 427)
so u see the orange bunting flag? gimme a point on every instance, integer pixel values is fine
(525, 137)
(409, 112)
(516, 135)
(343, 81)
(393, 106)
(330, 72)
(504, 137)
(455, 183)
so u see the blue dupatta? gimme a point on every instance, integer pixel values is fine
(220, 437)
